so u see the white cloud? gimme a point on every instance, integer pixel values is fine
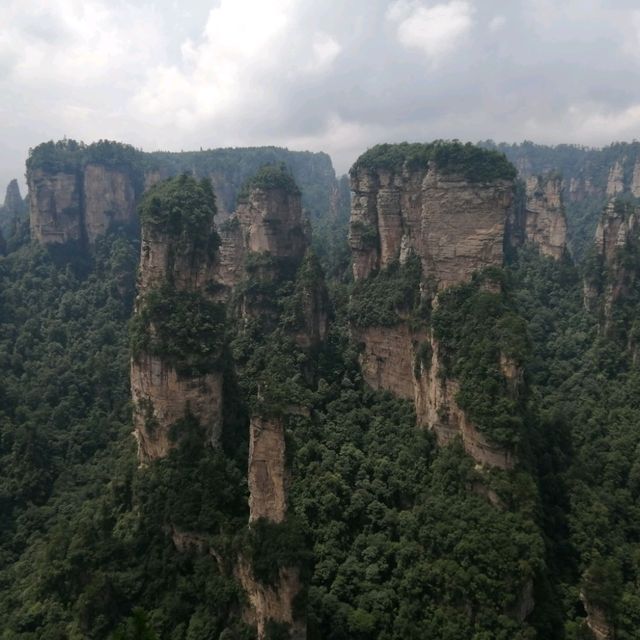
(74, 42)
(496, 23)
(247, 49)
(436, 30)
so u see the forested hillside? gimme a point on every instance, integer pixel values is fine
(394, 530)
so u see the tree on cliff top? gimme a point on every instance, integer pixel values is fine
(270, 176)
(181, 207)
(450, 157)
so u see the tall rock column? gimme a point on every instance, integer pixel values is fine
(178, 327)
(271, 602)
(282, 290)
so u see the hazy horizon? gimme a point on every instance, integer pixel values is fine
(315, 77)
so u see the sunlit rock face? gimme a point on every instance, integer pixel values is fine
(455, 226)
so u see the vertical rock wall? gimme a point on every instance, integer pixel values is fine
(455, 226)
(55, 203)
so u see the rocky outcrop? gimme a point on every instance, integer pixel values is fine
(612, 277)
(615, 180)
(267, 474)
(437, 408)
(162, 397)
(387, 358)
(407, 363)
(268, 497)
(271, 221)
(597, 621)
(272, 603)
(455, 226)
(545, 223)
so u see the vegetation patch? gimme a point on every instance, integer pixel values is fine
(474, 327)
(182, 328)
(450, 157)
(268, 178)
(389, 296)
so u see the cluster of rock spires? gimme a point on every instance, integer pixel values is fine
(268, 225)
(454, 224)
(77, 192)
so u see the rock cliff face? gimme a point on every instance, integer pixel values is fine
(391, 360)
(615, 180)
(79, 205)
(545, 222)
(55, 205)
(267, 472)
(272, 222)
(272, 602)
(77, 191)
(456, 226)
(109, 198)
(162, 397)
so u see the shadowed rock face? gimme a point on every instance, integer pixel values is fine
(456, 227)
(545, 223)
(55, 203)
(109, 198)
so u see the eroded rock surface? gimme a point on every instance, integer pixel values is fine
(267, 470)
(109, 198)
(55, 204)
(456, 227)
(545, 221)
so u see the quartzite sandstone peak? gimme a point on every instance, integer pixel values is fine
(176, 265)
(455, 223)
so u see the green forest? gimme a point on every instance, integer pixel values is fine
(395, 537)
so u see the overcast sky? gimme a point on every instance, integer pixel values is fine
(332, 75)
